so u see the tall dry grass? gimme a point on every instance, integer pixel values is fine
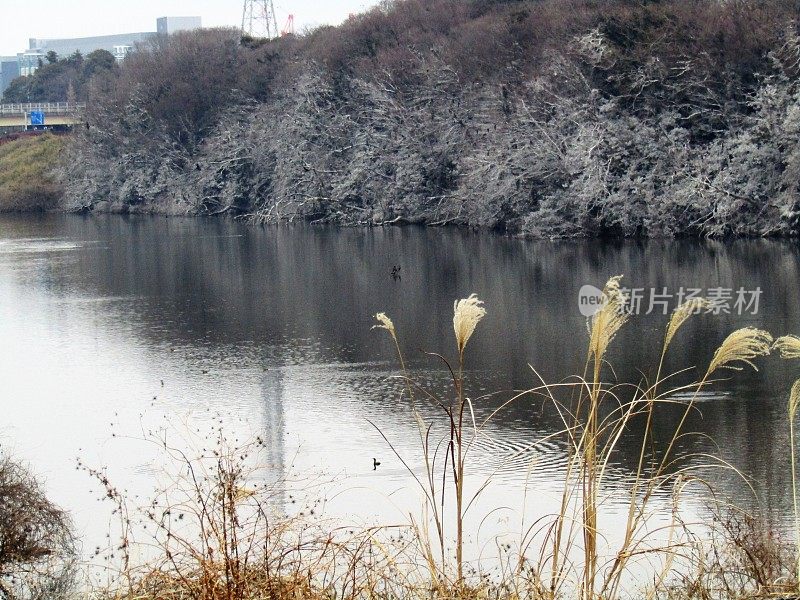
(567, 558)
(467, 313)
(217, 532)
(789, 348)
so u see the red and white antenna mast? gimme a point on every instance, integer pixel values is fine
(259, 20)
(288, 29)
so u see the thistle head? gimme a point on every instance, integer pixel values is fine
(467, 313)
(788, 346)
(607, 321)
(682, 314)
(743, 345)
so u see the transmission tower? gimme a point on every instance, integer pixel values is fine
(259, 20)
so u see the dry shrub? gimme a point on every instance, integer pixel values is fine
(744, 558)
(37, 549)
(184, 80)
(216, 529)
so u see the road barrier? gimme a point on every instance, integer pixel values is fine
(49, 108)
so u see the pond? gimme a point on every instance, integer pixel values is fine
(112, 324)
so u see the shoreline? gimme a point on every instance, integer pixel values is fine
(252, 220)
(41, 184)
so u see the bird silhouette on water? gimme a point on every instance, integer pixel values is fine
(396, 272)
(375, 464)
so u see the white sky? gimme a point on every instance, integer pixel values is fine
(22, 19)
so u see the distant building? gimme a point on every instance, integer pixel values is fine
(169, 25)
(29, 61)
(9, 70)
(119, 45)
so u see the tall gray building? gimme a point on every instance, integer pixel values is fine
(168, 25)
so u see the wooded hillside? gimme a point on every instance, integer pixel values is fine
(547, 118)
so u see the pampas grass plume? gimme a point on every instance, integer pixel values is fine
(788, 346)
(682, 314)
(467, 313)
(743, 345)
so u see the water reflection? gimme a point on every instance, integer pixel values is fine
(272, 426)
(272, 325)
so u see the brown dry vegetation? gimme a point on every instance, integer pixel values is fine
(37, 552)
(26, 181)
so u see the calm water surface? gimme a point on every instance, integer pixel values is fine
(109, 324)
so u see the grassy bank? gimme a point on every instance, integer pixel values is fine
(26, 181)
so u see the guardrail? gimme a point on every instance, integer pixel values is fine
(46, 107)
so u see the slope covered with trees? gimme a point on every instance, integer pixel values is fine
(548, 118)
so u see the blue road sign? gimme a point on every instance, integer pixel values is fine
(37, 117)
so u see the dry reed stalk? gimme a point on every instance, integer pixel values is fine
(467, 313)
(679, 316)
(789, 348)
(605, 324)
(794, 403)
